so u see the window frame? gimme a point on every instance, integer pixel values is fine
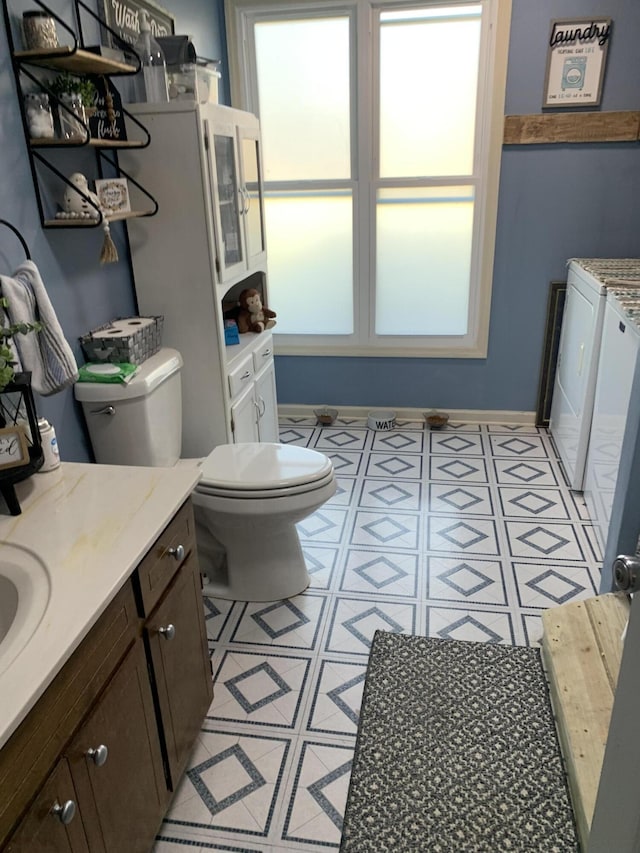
(496, 16)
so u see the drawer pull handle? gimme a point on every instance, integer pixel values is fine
(177, 553)
(65, 813)
(169, 632)
(246, 374)
(266, 353)
(98, 755)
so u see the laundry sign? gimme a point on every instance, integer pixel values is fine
(576, 60)
(124, 18)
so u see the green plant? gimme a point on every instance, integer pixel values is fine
(66, 82)
(7, 364)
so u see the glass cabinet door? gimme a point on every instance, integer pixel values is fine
(252, 193)
(229, 202)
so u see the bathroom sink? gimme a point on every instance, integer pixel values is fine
(24, 594)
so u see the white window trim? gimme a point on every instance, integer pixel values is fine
(493, 62)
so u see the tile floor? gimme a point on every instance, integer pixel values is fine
(468, 533)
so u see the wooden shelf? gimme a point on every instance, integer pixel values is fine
(94, 223)
(582, 650)
(78, 62)
(93, 143)
(565, 127)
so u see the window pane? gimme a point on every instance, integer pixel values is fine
(424, 242)
(303, 86)
(428, 129)
(309, 236)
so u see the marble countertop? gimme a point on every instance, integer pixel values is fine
(90, 525)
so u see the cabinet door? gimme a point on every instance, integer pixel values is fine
(265, 393)
(227, 198)
(252, 192)
(244, 417)
(177, 639)
(123, 799)
(43, 830)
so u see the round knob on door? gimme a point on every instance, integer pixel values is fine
(177, 552)
(65, 812)
(169, 632)
(98, 755)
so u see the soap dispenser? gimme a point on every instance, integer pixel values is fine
(150, 83)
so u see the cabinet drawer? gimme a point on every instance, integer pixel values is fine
(168, 553)
(241, 376)
(263, 354)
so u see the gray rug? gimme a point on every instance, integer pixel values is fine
(456, 751)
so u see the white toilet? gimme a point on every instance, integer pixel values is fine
(249, 497)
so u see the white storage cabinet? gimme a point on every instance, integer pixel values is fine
(205, 244)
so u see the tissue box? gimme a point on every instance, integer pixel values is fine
(126, 339)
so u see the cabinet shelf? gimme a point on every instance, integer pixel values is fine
(78, 61)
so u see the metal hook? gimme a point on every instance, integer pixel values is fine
(19, 236)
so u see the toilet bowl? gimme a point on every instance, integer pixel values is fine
(249, 498)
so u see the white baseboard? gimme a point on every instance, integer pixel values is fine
(468, 416)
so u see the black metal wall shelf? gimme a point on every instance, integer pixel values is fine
(77, 60)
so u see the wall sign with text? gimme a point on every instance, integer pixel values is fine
(576, 62)
(123, 16)
(14, 450)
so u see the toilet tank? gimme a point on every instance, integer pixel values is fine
(138, 423)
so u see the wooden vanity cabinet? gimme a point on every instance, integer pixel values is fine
(115, 745)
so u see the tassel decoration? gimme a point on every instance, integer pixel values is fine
(109, 253)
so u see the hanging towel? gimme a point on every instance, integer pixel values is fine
(45, 353)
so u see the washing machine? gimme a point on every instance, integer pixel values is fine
(588, 280)
(616, 368)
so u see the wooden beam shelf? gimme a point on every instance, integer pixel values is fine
(546, 128)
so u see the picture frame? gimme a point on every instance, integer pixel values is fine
(123, 17)
(576, 61)
(14, 450)
(113, 194)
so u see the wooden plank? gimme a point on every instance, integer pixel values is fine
(582, 651)
(78, 61)
(545, 128)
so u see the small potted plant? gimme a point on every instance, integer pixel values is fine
(7, 363)
(75, 96)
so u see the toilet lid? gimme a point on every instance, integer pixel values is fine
(263, 467)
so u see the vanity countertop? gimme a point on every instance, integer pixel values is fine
(90, 525)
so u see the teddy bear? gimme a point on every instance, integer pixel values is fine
(253, 316)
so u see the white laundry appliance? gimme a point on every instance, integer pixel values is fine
(579, 351)
(616, 368)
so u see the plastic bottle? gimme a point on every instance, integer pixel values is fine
(49, 445)
(150, 83)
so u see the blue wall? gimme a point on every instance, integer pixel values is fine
(555, 202)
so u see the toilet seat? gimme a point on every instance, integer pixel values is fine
(244, 471)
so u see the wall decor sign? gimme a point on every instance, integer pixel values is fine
(113, 194)
(576, 61)
(123, 16)
(107, 119)
(14, 449)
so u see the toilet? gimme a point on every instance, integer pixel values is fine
(249, 498)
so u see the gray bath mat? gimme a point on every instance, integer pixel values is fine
(456, 753)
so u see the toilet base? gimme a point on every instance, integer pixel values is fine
(251, 574)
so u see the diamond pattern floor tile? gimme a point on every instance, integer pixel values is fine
(468, 532)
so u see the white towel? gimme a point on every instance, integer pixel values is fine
(45, 353)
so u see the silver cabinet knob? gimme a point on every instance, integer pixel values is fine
(177, 553)
(98, 755)
(169, 632)
(65, 812)
(626, 573)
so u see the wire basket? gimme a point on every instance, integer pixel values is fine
(127, 339)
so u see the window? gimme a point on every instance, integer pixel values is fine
(381, 134)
